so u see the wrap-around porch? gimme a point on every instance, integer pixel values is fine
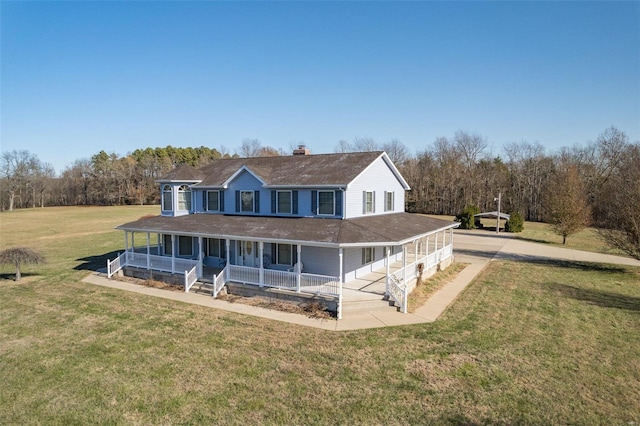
(323, 270)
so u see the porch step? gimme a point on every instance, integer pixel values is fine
(360, 306)
(202, 288)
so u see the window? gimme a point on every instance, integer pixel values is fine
(388, 201)
(284, 201)
(168, 247)
(185, 246)
(184, 198)
(284, 254)
(369, 203)
(326, 203)
(167, 199)
(213, 201)
(216, 248)
(246, 201)
(367, 255)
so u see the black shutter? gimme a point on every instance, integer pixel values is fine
(273, 202)
(294, 202)
(237, 201)
(221, 201)
(314, 202)
(256, 195)
(338, 203)
(205, 207)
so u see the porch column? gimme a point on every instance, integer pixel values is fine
(148, 252)
(415, 252)
(173, 254)
(227, 244)
(200, 255)
(298, 267)
(340, 281)
(133, 242)
(426, 251)
(404, 263)
(126, 247)
(435, 249)
(386, 283)
(261, 254)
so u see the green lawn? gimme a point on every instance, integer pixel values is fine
(553, 343)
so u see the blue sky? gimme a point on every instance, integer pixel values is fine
(80, 77)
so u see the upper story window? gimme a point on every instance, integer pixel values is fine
(167, 198)
(369, 202)
(388, 201)
(284, 202)
(327, 203)
(213, 201)
(247, 202)
(184, 198)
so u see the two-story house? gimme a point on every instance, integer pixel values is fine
(305, 223)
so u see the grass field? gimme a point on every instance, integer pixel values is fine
(554, 343)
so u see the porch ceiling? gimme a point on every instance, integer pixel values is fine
(389, 229)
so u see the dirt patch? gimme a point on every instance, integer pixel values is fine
(311, 310)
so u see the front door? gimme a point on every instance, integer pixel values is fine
(248, 253)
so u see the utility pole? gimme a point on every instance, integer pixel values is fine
(499, 200)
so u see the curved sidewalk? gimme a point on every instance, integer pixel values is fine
(475, 248)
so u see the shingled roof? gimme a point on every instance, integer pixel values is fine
(185, 172)
(389, 229)
(297, 170)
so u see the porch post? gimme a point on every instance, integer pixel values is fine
(200, 256)
(404, 264)
(126, 247)
(261, 254)
(148, 252)
(173, 254)
(386, 283)
(298, 267)
(133, 242)
(227, 244)
(340, 281)
(426, 251)
(435, 249)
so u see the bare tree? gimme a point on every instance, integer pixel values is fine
(565, 204)
(343, 146)
(250, 148)
(365, 144)
(17, 170)
(397, 151)
(620, 203)
(18, 256)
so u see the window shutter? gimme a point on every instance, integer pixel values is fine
(294, 202)
(314, 202)
(256, 199)
(373, 201)
(237, 201)
(364, 257)
(384, 201)
(221, 200)
(339, 203)
(364, 202)
(205, 206)
(273, 202)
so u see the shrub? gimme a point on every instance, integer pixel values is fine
(466, 218)
(515, 223)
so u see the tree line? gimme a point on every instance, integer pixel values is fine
(445, 177)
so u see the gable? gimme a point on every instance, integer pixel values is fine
(380, 170)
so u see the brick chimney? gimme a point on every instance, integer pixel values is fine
(301, 150)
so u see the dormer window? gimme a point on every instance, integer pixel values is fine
(184, 198)
(167, 199)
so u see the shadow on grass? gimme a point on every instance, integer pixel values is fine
(93, 263)
(533, 240)
(11, 276)
(565, 264)
(599, 298)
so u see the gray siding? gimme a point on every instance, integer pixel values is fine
(320, 260)
(377, 178)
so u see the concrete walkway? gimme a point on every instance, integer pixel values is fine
(474, 247)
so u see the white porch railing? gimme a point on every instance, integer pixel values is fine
(218, 282)
(190, 278)
(309, 283)
(116, 264)
(398, 292)
(159, 263)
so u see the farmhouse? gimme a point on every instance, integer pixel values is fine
(302, 223)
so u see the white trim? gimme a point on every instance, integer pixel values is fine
(237, 173)
(290, 191)
(318, 203)
(390, 164)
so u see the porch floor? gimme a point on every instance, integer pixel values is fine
(370, 286)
